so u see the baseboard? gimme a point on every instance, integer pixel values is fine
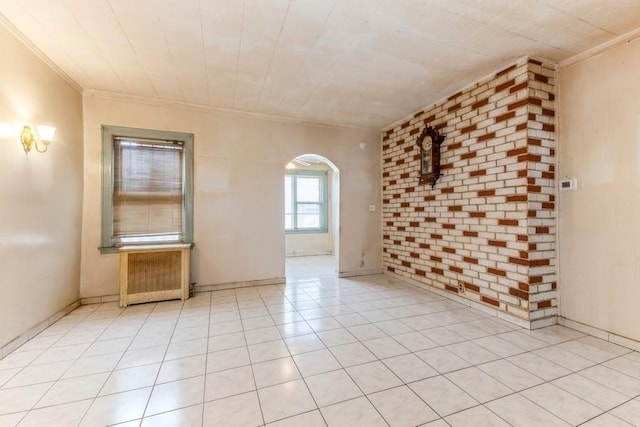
(242, 284)
(100, 299)
(23, 338)
(600, 333)
(523, 323)
(354, 273)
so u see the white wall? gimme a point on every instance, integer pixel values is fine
(239, 195)
(40, 194)
(599, 225)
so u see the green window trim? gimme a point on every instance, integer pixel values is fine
(107, 241)
(324, 202)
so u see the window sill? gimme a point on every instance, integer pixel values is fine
(116, 249)
(315, 231)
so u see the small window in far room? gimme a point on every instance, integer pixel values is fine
(147, 187)
(305, 201)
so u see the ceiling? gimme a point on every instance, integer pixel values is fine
(355, 62)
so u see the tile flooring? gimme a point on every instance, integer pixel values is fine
(304, 267)
(368, 351)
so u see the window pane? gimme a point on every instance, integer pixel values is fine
(308, 215)
(288, 221)
(308, 189)
(308, 221)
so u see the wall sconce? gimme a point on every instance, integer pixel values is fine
(29, 140)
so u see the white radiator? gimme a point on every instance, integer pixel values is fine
(154, 273)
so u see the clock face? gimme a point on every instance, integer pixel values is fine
(427, 164)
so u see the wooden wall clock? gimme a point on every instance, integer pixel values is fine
(429, 143)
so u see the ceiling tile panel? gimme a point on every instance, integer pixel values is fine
(358, 62)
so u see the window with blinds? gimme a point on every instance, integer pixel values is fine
(147, 190)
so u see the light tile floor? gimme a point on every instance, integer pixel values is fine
(367, 351)
(305, 267)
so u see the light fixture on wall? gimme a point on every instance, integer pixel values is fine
(29, 140)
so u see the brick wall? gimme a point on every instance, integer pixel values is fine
(489, 223)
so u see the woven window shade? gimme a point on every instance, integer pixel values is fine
(148, 190)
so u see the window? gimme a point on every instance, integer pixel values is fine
(147, 187)
(305, 202)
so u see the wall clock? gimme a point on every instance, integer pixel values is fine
(429, 143)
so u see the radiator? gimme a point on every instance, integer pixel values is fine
(154, 273)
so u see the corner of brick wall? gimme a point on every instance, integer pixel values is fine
(489, 223)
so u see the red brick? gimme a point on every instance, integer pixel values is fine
(518, 293)
(518, 104)
(479, 104)
(505, 116)
(519, 261)
(517, 151)
(486, 136)
(497, 272)
(472, 287)
(539, 262)
(505, 85)
(544, 304)
(540, 78)
(506, 70)
(519, 86)
(490, 301)
(468, 129)
(451, 288)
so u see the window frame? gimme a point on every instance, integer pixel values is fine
(324, 201)
(108, 244)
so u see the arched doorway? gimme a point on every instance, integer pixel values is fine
(312, 217)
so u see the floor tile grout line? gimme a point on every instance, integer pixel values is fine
(253, 374)
(72, 363)
(389, 334)
(206, 360)
(161, 361)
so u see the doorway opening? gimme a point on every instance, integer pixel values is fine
(312, 218)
